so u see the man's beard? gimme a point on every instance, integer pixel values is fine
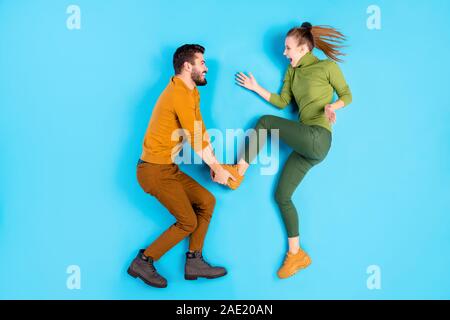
(197, 78)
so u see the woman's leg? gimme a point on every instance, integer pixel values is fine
(311, 145)
(292, 174)
(298, 136)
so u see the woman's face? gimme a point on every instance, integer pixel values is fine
(292, 51)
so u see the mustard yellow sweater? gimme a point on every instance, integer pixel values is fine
(177, 110)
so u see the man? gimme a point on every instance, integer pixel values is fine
(178, 107)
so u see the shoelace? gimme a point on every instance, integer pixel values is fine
(203, 260)
(285, 260)
(289, 257)
(150, 264)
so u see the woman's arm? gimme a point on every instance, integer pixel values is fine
(279, 100)
(337, 104)
(342, 89)
(331, 108)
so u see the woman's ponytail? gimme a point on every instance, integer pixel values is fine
(324, 38)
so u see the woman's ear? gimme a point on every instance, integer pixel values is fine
(304, 48)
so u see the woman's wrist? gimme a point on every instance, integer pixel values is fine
(337, 105)
(262, 92)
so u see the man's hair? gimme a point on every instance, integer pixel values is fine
(185, 53)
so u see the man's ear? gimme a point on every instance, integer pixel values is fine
(187, 66)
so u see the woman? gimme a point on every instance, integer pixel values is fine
(311, 82)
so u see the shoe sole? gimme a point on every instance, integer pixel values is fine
(135, 275)
(233, 187)
(190, 277)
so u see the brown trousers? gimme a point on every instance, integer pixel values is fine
(190, 203)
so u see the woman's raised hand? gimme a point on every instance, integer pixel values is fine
(248, 82)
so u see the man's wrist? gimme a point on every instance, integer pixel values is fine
(216, 167)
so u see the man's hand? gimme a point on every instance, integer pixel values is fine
(220, 175)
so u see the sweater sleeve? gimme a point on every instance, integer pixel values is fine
(191, 121)
(339, 84)
(284, 98)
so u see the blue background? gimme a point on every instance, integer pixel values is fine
(74, 106)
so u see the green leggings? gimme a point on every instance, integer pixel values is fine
(310, 144)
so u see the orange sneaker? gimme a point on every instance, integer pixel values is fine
(294, 263)
(233, 169)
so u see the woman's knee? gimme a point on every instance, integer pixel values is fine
(264, 121)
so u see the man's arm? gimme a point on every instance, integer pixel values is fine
(198, 140)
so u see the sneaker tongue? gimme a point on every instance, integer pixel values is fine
(299, 254)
